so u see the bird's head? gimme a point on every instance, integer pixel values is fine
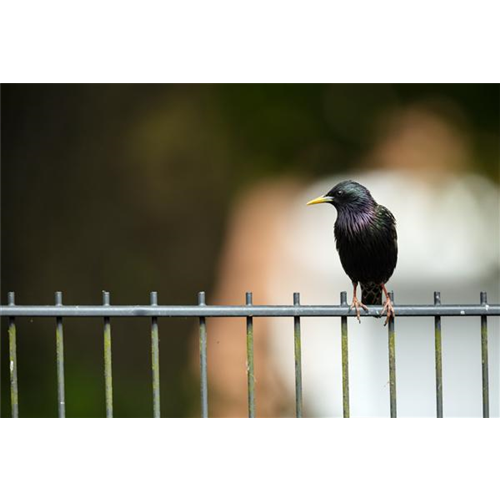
(348, 195)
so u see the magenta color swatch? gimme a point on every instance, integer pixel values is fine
(37, 458)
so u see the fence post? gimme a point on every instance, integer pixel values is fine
(484, 359)
(250, 365)
(155, 358)
(108, 375)
(439, 358)
(14, 392)
(298, 359)
(203, 359)
(345, 359)
(392, 363)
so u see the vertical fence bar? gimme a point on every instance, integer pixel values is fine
(109, 396)
(298, 359)
(345, 359)
(108, 376)
(392, 363)
(61, 401)
(203, 360)
(250, 366)
(155, 358)
(61, 396)
(14, 393)
(155, 365)
(439, 358)
(484, 359)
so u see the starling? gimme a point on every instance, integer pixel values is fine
(365, 233)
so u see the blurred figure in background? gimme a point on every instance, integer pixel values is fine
(448, 223)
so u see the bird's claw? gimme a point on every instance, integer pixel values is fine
(390, 310)
(355, 305)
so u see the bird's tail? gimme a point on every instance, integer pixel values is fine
(371, 294)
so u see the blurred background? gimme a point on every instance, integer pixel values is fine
(182, 188)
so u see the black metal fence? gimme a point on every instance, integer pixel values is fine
(248, 311)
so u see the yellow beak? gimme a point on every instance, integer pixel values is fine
(320, 199)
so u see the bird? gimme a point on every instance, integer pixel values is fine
(366, 240)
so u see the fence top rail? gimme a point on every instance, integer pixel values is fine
(242, 311)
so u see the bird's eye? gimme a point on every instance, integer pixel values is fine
(340, 192)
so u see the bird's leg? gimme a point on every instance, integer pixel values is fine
(388, 306)
(357, 303)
